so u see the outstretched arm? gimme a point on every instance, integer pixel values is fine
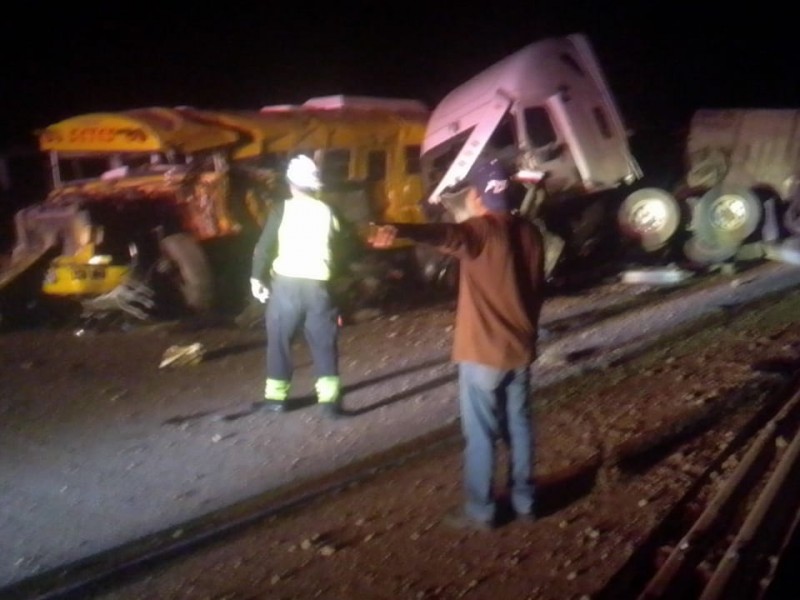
(450, 238)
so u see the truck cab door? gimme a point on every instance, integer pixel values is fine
(596, 141)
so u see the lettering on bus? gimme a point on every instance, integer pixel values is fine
(105, 135)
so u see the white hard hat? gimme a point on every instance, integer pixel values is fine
(303, 173)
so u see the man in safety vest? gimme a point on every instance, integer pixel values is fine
(292, 265)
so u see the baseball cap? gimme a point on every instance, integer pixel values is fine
(492, 182)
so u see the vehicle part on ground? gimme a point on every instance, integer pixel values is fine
(183, 356)
(649, 216)
(669, 275)
(131, 297)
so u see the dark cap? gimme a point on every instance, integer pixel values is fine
(492, 182)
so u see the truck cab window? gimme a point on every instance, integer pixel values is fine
(538, 127)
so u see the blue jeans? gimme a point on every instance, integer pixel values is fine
(294, 302)
(495, 406)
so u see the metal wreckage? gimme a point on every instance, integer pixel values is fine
(156, 210)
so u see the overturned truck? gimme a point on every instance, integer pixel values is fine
(548, 113)
(155, 211)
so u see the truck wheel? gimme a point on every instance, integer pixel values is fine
(726, 215)
(650, 216)
(184, 275)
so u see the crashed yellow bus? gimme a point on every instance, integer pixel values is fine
(156, 210)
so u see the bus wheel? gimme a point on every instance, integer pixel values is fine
(184, 276)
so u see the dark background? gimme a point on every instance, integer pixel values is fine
(663, 58)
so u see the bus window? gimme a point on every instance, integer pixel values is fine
(376, 165)
(413, 159)
(336, 165)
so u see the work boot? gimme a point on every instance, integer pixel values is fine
(270, 405)
(276, 392)
(329, 395)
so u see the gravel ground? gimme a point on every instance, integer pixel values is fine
(98, 446)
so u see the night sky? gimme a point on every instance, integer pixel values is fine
(663, 59)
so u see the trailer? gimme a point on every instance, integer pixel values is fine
(737, 198)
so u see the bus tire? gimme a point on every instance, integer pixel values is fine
(185, 273)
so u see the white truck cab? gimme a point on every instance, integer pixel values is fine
(546, 111)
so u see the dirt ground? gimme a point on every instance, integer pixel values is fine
(382, 538)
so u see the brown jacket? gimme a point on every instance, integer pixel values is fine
(501, 285)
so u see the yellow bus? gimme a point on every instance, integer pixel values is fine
(156, 210)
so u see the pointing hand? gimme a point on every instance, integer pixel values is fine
(382, 236)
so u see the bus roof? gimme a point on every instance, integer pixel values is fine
(153, 129)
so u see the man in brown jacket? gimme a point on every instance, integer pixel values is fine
(501, 290)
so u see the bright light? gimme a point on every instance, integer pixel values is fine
(100, 259)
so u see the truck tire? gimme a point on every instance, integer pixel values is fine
(726, 215)
(650, 216)
(184, 275)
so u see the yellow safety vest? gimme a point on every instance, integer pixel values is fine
(304, 239)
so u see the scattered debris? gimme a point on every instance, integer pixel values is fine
(180, 356)
(657, 276)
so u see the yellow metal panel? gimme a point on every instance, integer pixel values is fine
(70, 278)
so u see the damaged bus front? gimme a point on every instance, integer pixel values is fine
(134, 196)
(157, 210)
